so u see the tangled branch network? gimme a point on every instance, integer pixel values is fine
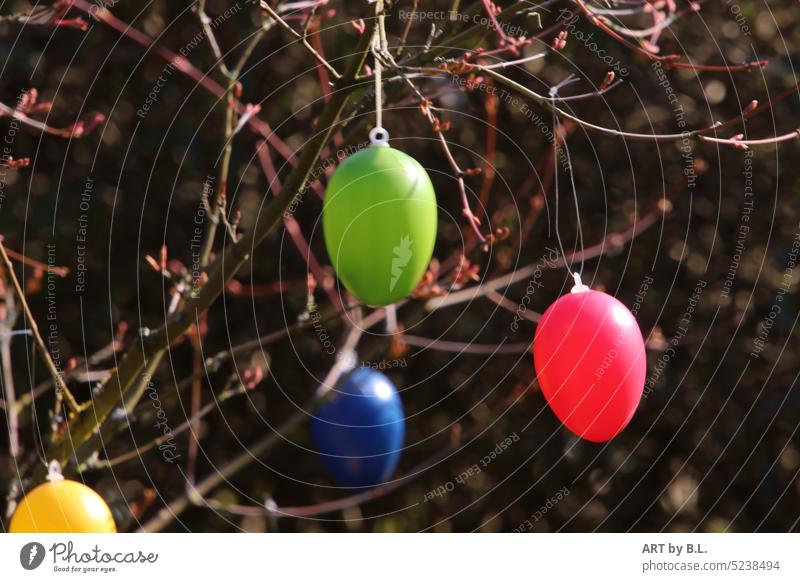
(171, 321)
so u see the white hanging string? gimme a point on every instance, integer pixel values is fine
(579, 286)
(555, 187)
(575, 201)
(376, 46)
(379, 136)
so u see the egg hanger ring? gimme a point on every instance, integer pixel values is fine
(379, 137)
(54, 471)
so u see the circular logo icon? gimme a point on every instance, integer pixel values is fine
(31, 555)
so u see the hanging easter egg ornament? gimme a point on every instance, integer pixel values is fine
(62, 506)
(380, 213)
(379, 219)
(360, 433)
(590, 362)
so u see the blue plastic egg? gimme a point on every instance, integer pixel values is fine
(360, 433)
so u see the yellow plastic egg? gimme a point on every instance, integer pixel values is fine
(62, 506)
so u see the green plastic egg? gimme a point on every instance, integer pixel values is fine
(379, 218)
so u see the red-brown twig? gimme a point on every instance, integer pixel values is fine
(738, 142)
(54, 269)
(52, 15)
(610, 244)
(295, 233)
(77, 130)
(183, 65)
(550, 104)
(439, 128)
(303, 40)
(668, 61)
(491, 105)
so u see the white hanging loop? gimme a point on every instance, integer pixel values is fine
(379, 137)
(579, 287)
(54, 472)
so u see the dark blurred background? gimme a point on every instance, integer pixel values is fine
(713, 445)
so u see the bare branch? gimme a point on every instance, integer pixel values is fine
(45, 353)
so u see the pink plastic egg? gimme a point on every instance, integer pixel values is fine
(590, 362)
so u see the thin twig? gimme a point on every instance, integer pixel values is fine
(740, 143)
(51, 367)
(217, 203)
(439, 129)
(320, 59)
(610, 243)
(266, 443)
(196, 401)
(9, 314)
(222, 269)
(669, 61)
(404, 39)
(183, 65)
(465, 347)
(550, 104)
(140, 450)
(205, 21)
(78, 130)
